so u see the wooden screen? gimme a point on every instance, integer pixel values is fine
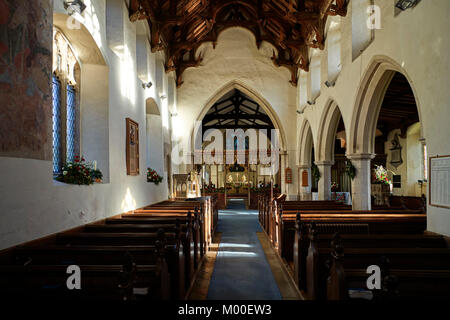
(132, 147)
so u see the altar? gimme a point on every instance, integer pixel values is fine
(237, 183)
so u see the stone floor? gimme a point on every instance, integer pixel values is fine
(242, 265)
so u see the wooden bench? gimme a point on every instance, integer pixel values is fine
(371, 222)
(204, 229)
(301, 244)
(318, 260)
(44, 274)
(428, 277)
(189, 247)
(172, 244)
(150, 217)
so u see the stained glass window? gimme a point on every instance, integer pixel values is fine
(71, 116)
(65, 105)
(56, 95)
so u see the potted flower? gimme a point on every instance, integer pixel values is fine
(78, 172)
(334, 187)
(381, 185)
(153, 176)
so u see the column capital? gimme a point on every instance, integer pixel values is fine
(324, 162)
(304, 166)
(360, 156)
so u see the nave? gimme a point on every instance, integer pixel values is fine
(158, 252)
(241, 270)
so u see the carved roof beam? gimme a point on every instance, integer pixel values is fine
(183, 65)
(136, 11)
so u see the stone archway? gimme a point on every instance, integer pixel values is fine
(268, 110)
(306, 144)
(361, 134)
(368, 103)
(253, 95)
(328, 126)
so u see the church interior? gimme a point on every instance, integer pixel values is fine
(224, 150)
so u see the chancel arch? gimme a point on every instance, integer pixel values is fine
(239, 108)
(253, 95)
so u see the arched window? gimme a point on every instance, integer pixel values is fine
(65, 94)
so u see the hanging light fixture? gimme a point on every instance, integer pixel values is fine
(406, 4)
(73, 6)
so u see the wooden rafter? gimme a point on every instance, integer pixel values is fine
(179, 27)
(237, 115)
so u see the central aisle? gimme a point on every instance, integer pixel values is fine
(241, 270)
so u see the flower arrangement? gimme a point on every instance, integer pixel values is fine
(334, 186)
(380, 175)
(79, 172)
(153, 176)
(315, 172)
(350, 169)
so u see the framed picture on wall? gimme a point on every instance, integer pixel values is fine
(132, 147)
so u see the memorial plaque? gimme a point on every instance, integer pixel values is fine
(132, 147)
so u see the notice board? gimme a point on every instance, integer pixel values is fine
(439, 181)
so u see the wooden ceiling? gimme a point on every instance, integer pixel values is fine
(236, 111)
(399, 109)
(179, 27)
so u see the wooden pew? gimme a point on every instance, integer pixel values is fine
(176, 213)
(301, 244)
(370, 222)
(281, 206)
(188, 246)
(146, 217)
(403, 281)
(174, 252)
(206, 206)
(318, 262)
(45, 275)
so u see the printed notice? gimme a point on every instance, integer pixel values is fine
(439, 181)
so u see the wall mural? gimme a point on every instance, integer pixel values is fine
(25, 72)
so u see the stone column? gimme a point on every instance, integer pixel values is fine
(361, 183)
(282, 170)
(304, 191)
(324, 184)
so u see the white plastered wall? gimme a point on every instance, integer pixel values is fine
(32, 204)
(236, 59)
(416, 42)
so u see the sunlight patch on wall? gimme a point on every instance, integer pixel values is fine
(128, 202)
(92, 23)
(128, 77)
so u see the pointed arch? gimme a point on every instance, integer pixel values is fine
(368, 102)
(306, 145)
(328, 125)
(235, 84)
